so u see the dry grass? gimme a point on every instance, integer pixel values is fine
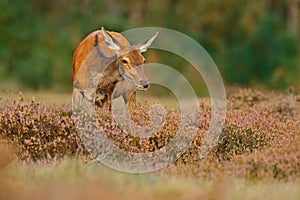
(72, 179)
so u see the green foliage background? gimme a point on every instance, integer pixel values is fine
(252, 42)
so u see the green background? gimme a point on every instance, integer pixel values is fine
(254, 43)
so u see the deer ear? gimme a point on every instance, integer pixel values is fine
(110, 41)
(143, 46)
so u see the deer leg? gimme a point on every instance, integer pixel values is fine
(132, 100)
(77, 98)
(129, 99)
(107, 102)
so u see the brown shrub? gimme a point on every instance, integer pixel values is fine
(259, 140)
(39, 131)
(260, 136)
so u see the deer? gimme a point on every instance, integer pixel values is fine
(106, 66)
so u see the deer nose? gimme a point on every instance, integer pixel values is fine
(145, 84)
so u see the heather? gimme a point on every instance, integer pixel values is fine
(260, 138)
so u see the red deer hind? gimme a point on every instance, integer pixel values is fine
(104, 60)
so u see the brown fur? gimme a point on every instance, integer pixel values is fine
(89, 71)
(89, 43)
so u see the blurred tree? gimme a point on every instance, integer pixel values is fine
(294, 17)
(268, 56)
(251, 41)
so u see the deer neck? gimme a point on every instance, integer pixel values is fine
(110, 77)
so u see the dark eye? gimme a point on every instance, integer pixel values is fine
(144, 61)
(124, 61)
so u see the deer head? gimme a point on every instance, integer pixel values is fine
(130, 60)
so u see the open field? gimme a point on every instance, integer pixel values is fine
(257, 156)
(71, 179)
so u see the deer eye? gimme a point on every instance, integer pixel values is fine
(124, 61)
